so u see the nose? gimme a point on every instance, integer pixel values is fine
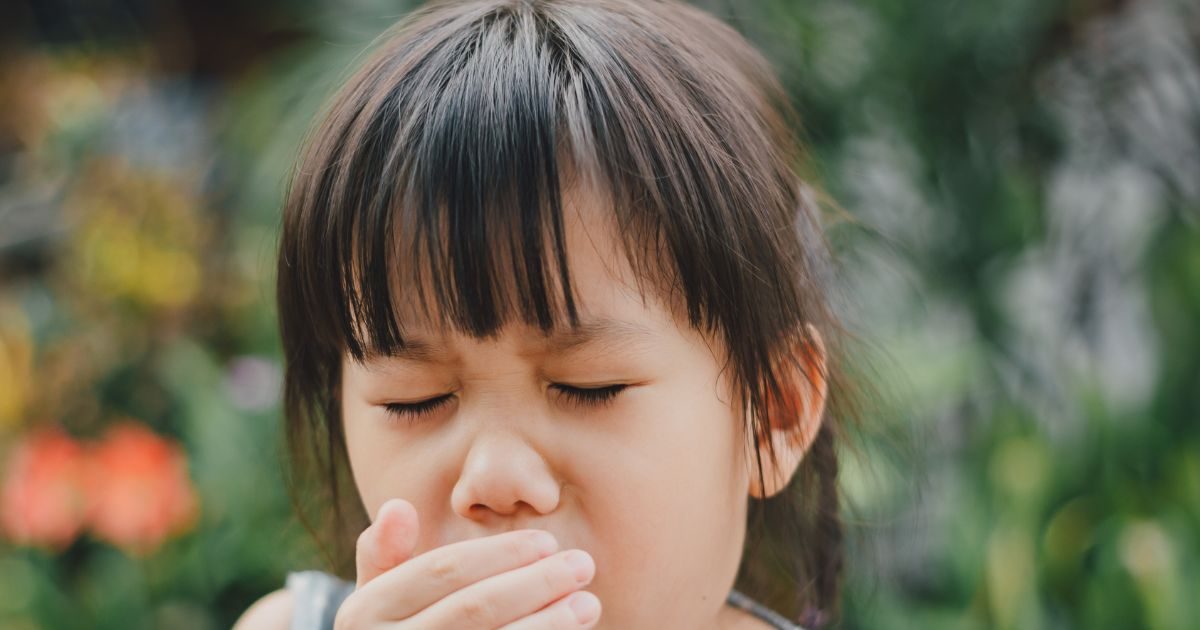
(504, 474)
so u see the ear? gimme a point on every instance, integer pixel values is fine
(792, 432)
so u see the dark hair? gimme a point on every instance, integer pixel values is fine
(442, 163)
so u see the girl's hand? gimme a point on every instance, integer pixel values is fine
(514, 581)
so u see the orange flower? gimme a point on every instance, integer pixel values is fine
(42, 502)
(138, 489)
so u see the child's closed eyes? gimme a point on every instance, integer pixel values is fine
(581, 396)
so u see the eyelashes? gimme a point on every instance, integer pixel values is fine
(413, 412)
(579, 396)
(597, 396)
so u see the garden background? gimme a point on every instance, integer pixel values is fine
(1021, 246)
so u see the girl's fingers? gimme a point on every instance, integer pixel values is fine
(580, 609)
(387, 542)
(424, 580)
(509, 596)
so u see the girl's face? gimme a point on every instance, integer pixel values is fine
(652, 482)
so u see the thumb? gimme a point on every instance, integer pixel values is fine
(387, 541)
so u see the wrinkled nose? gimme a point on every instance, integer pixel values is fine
(504, 475)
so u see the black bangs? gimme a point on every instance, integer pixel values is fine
(443, 178)
(435, 182)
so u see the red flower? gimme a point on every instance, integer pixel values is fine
(138, 489)
(42, 503)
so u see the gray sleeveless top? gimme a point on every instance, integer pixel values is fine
(318, 595)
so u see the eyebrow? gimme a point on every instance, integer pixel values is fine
(612, 334)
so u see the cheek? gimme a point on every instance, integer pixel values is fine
(670, 443)
(693, 436)
(382, 464)
(667, 490)
(365, 452)
(668, 513)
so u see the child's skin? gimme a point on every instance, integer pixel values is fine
(652, 486)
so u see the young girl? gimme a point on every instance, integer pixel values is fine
(558, 348)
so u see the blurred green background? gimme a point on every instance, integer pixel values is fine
(1021, 248)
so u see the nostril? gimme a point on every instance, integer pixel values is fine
(480, 509)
